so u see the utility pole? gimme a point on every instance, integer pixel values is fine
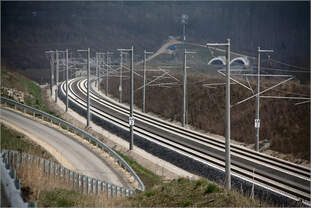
(184, 21)
(144, 89)
(107, 77)
(228, 127)
(228, 118)
(121, 69)
(66, 80)
(57, 67)
(122, 51)
(184, 104)
(88, 85)
(51, 69)
(98, 64)
(257, 119)
(132, 100)
(131, 117)
(57, 76)
(97, 71)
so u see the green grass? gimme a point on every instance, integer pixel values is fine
(34, 97)
(32, 92)
(58, 198)
(148, 177)
(211, 188)
(181, 192)
(13, 140)
(184, 193)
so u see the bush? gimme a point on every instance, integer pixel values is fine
(187, 203)
(182, 180)
(199, 183)
(211, 188)
(149, 193)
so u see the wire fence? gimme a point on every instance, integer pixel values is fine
(11, 195)
(54, 171)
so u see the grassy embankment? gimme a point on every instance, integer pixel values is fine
(13, 140)
(32, 92)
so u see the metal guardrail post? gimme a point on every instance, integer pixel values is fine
(87, 185)
(92, 186)
(73, 180)
(96, 187)
(68, 175)
(107, 189)
(82, 184)
(54, 171)
(102, 187)
(49, 169)
(12, 189)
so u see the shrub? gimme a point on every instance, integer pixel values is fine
(187, 203)
(199, 183)
(149, 193)
(211, 188)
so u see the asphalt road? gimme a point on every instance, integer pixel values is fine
(84, 160)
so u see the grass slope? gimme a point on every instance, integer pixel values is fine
(184, 193)
(13, 140)
(32, 92)
(148, 177)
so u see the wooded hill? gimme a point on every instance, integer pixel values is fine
(284, 125)
(30, 28)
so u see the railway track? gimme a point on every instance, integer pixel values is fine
(282, 177)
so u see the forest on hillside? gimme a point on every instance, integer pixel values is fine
(284, 125)
(30, 28)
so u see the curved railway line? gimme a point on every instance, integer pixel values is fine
(272, 174)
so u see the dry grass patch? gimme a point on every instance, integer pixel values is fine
(184, 192)
(50, 191)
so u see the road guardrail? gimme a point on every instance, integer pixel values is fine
(51, 170)
(10, 186)
(68, 126)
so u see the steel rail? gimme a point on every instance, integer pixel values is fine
(246, 156)
(209, 140)
(263, 165)
(305, 197)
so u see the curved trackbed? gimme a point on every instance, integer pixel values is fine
(291, 176)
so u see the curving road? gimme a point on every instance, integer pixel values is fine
(82, 159)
